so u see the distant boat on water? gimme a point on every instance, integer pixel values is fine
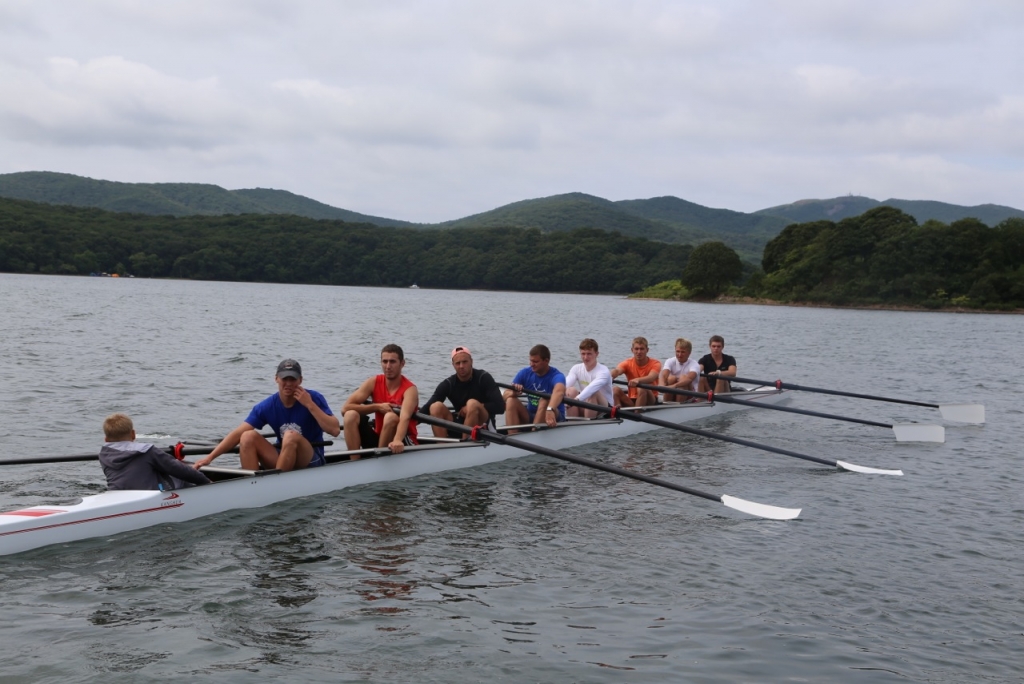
(414, 286)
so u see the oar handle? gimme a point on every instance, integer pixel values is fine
(778, 384)
(629, 415)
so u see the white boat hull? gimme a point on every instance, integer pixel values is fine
(114, 512)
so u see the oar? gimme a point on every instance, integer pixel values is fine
(960, 413)
(190, 451)
(905, 432)
(613, 412)
(750, 507)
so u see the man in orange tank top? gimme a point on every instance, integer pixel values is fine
(386, 391)
(638, 369)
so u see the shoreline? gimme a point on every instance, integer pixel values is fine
(726, 299)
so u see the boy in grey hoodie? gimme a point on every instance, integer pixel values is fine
(133, 465)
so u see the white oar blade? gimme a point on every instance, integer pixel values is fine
(760, 510)
(854, 468)
(919, 432)
(963, 413)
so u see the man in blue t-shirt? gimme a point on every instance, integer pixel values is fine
(539, 376)
(297, 416)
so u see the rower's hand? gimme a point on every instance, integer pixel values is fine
(518, 389)
(383, 408)
(303, 397)
(202, 462)
(396, 447)
(551, 418)
(634, 382)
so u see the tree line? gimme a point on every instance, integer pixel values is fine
(884, 257)
(39, 238)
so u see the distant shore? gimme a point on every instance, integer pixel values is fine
(727, 299)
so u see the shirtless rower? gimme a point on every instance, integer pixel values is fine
(296, 415)
(475, 397)
(680, 371)
(588, 381)
(718, 365)
(539, 376)
(638, 369)
(386, 391)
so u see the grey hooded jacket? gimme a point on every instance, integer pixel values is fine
(134, 465)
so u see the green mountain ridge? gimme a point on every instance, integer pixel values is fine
(664, 219)
(839, 208)
(170, 199)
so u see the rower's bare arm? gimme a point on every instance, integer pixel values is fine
(730, 371)
(357, 400)
(515, 392)
(227, 444)
(551, 414)
(616, 372)
(329, 424)
(410, 401)
(557, 395)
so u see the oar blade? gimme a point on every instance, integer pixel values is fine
(963, 413)
(919, 432)
(760, 510)
(854, 468)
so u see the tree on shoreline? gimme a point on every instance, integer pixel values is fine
(713, 267)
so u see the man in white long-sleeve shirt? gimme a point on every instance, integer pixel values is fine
(589, 381)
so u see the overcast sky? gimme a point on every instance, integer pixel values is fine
(428, 111)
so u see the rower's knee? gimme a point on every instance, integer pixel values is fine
(291, 437)
(249, 438)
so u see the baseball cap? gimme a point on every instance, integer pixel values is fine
(461, 350)
(289, 368)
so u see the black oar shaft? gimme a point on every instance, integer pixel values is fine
(746, 402)
(838, 393)
(498, 438)
(190, 451)
(629, 415)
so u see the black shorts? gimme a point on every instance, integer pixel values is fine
(456, 418)
(368, 437)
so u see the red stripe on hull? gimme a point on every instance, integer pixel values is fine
(88, 520)
(38, 513)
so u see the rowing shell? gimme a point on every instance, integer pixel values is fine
(119, 511)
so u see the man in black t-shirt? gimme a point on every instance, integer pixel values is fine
(717, 365)
(474, 396)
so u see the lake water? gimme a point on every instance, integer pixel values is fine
(531, 569)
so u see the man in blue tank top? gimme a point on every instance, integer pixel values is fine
(297, 416)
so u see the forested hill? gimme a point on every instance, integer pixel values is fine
(884, 257)
(667, 219)
(839, 208)
(170, 199)
(42, 238)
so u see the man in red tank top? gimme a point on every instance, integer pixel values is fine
(386, 391)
